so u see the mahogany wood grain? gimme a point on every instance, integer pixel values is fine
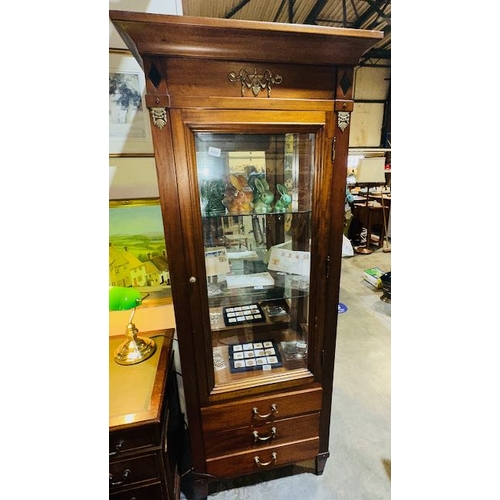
(240, 412)
(237, 464)
(242, 438)
(144, 448)
(186, 63)
(194, 78)
(185, 36)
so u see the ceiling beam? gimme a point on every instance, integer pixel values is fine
(236, 9)
(375, 7)
(290, 11)
(280, 8)
(376, 54)
(315, 11)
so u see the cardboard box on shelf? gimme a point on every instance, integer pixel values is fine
(373, 275)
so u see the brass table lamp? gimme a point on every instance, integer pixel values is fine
(135, 349)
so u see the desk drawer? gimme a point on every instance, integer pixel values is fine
(268, 458)
(132, 439)
(133, 470)
(258, 410)
(279, 432)
(152, 492)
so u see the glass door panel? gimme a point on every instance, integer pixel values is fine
(256, 200)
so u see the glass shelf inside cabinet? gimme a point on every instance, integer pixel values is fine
(255, 198)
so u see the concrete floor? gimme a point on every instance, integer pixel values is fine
(359, 467)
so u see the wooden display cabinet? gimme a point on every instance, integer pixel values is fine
(242, 112)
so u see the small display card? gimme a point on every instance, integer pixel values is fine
(289, 261)
(262, 355)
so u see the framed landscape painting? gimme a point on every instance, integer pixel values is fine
(137, 250)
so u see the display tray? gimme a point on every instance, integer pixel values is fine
(240, 315)
(263, 355)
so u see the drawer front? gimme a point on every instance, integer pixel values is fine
(262, 459)
(131, 439)
(152, 492)
(262, 409)
(255, 437)
(133, 470)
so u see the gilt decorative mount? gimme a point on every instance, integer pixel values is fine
(159, 116)
(255, 81)
(343, 120)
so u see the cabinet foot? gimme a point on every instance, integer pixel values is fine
(321, 462)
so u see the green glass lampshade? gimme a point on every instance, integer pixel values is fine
(122, 298)
(135, 349)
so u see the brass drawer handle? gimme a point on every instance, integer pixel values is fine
(118, 447)
(125, 475)
(255, 412)
(274, 457)
(256, 436)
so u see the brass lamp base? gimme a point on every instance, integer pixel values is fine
(363, 250)
(135, 349)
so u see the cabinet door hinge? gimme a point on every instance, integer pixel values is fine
(322, 357)
(334, 143)
(327, 267)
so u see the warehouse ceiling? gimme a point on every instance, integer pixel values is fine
(359, 14)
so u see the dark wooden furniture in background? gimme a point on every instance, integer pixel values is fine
(145, 425)
(214, 86)
(371, 216)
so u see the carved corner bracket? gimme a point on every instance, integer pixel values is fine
(343, 119)
(255, 81)
(159, 116)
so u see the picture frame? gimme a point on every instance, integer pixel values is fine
(137, 249)
(129, 125)
(132, 177)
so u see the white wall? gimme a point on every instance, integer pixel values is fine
(370, 83)
(153, 6)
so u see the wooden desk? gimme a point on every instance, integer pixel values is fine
(370, 216)
(145, 424)
(378, 197)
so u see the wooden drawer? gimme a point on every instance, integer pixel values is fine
(151, 492)
(132, 440)
(243, 439)
(241, 413)
(246, 462)
(143, 468)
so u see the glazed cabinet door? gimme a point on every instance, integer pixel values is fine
(258, 196)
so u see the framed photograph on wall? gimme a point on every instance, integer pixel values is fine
(129, 127)
(137, 250)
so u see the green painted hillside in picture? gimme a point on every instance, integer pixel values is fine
(137, 250)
